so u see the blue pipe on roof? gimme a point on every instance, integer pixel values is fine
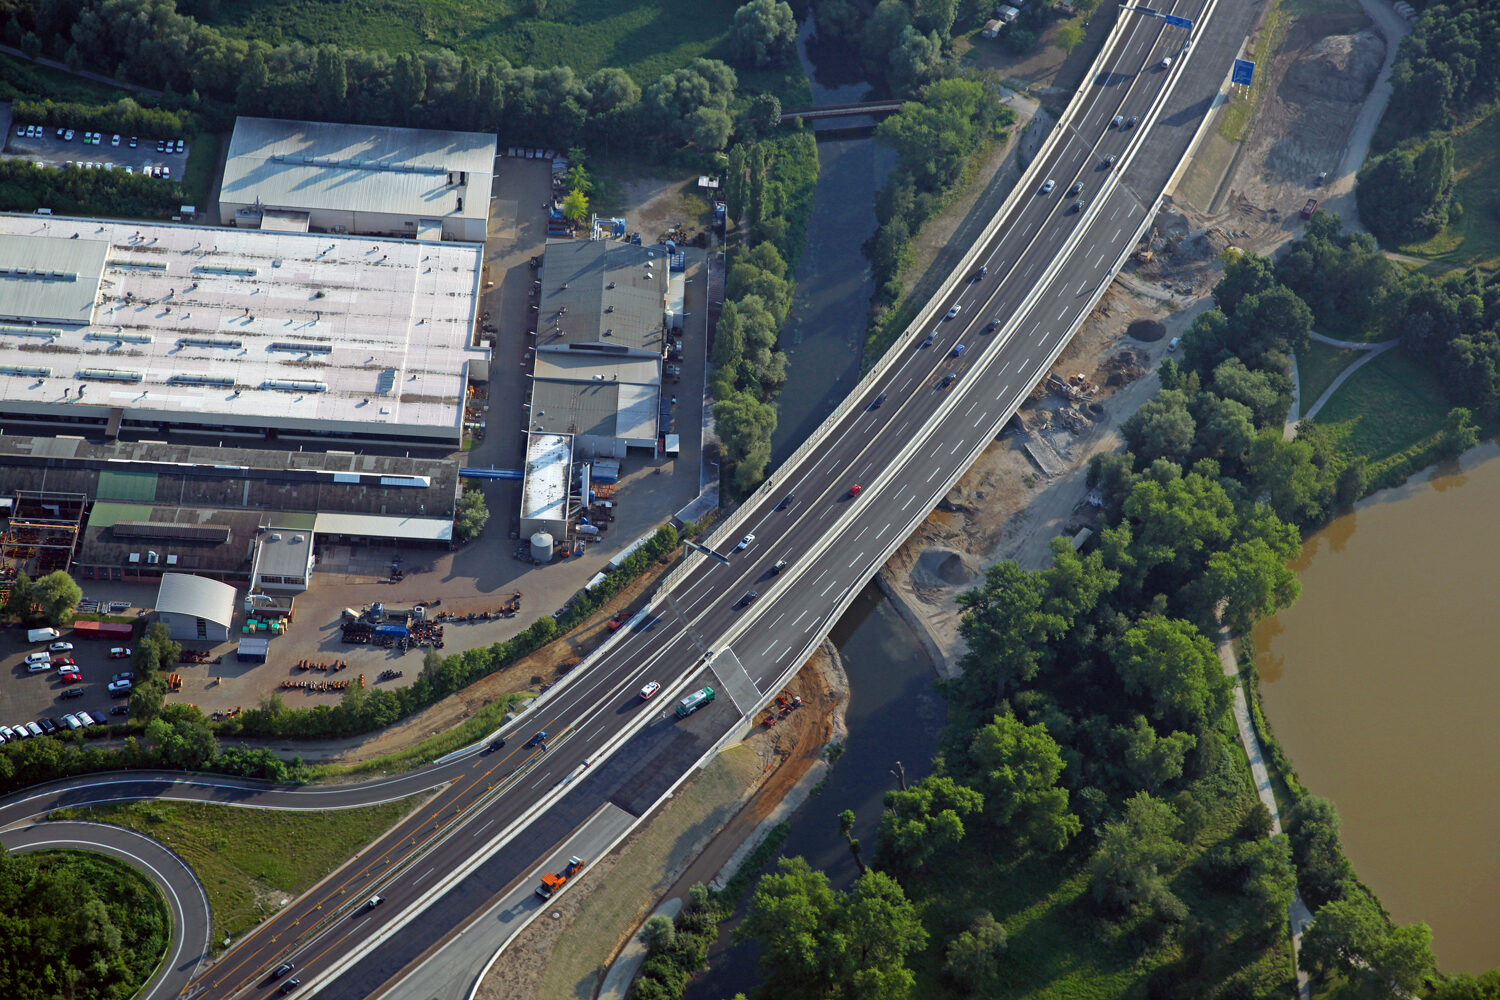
(491, 473)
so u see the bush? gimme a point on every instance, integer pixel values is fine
(25, 187)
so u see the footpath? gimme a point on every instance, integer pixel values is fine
(1297, 912)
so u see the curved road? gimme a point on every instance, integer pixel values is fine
(906, 437)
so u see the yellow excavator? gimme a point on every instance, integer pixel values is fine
(1143, 255)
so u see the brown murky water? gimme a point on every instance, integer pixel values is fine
(1383, 685)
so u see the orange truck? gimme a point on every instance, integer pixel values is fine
(551, 882)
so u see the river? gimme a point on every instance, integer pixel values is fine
(824, 335)
(894, 714)
(1381, 684)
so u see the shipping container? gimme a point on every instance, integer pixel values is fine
(104, 630)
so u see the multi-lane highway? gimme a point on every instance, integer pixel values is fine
(905, 437)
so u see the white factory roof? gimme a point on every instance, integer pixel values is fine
(358, 168)
(49, 280)
(549, 460)
(190, 324)
(196, 597)
(578, 366)
(426, 529)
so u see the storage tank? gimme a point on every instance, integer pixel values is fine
(541, 547)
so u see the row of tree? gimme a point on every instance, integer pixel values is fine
(1447, 69)
(768, 190)
(77, 925)
(149, 42)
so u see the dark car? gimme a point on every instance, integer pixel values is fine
(992, 325)
(117, 710)
(48, 726)
(538, 739)
(497, 743)
(879, 400)
(1109, 161)
(946, 381)
(780, 565)
(786, 501)
(289, 985)
(1077, 188)
(748, 599)
(983, 270)
(283, 969)
(925, 343)
(72, 693)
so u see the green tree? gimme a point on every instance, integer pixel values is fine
(1070, 36)
(1173, 664)
(1459, 434)
(923, 821)
(330, 81)
(820, 944)
(576, 206)
(1162, 428)
(1253, 579)
(1017, 769)
(658, 935)
(846, 830)
(1353, 938)
(470, 517)
(57, 595)
(745, 426)
(972, 959)
(1244, 274)
(1154, 760)
(1312, 825)
(18, 601)
(1128, 865)
(255, 81)
(184, 741)
(762, 34)
(735, 184)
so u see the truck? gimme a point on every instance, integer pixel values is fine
(1309, 208)
(42, 634)
(380, 613)
(694, 701)
(551, 882)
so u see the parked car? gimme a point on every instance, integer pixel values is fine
(70, 677)
(72, 693)
(64, 661)
(132, 142)
(119, 653)
(60, 647)
(119, 689)
(124, 675)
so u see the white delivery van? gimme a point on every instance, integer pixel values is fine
(42, 634)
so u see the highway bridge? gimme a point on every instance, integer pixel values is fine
(904, 436)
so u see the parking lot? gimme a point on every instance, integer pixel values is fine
(49, 150)
(27, 696)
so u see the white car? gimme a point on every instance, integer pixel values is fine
(649, 690)
(60, 647)
(951, 312)
(1047, 187)
(745, 542)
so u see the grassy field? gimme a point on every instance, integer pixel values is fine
(1235, 118)
(646, 38)
(249, 860)
(473, 729)
(1386, 407)
(1476, 237)
(1317, 367)
(202, 165)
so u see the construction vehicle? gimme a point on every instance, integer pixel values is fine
(1143, 254)
(551, 882)
(1309, 208)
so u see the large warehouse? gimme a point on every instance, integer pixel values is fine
(362, 179)
(141, 330)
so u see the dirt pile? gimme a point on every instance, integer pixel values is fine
(1337, 68)
(938, 567)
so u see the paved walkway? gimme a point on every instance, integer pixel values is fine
(622, 971)
(1289, 426)
(1297, 912)
(1371, 352)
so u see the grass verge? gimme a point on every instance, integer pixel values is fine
(1317, 367)
(1475, 239)
(1237, 114)
(1390, 405)
(203, 162)
(250, 860)
(473, 729)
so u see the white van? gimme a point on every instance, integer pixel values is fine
(37, 662)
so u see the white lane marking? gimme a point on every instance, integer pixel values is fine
(1101, 259)
(934, 475)
(979, 420)
(1081, 289)
(856, 559)
(1063, 313)
(908, 502)
(1117, 231)
(769, 648)
(778, 618)
(1003, 370)
(426, 873)
(860, 535)
(881, 533)
(484, 828)
(832, 584)
(800, 617)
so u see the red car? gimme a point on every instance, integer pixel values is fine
(854, 490)
(70, 677)
(64, 661)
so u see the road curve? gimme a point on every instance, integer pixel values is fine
(187, 904)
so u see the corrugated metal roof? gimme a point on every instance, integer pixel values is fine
(197, 597)
(363, 168)
(580, 366)
(425, 529)
(48, 279)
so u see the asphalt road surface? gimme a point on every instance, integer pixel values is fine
(496, 814)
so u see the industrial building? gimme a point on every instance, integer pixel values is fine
(603, 297)
(544, 489)
(358, 179)
(137, 330)
(606, 403)
(194, 608)
(154, 508)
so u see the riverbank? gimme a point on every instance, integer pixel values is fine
(689, 839)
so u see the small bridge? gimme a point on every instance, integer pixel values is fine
(843, 110)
